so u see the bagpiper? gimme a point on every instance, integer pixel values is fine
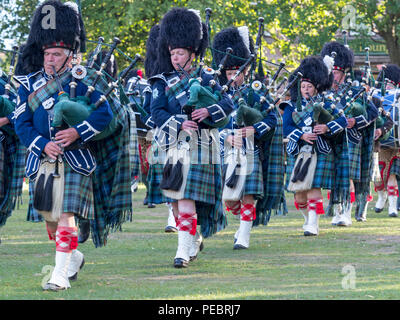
(191, 174)
(74, 173)
(244, 143)
(360, 115)
(389, 145)
(311, 123)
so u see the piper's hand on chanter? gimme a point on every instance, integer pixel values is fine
(377, 133)
(320, 129)
(52, 150)
(247, 131)
(309, 137)
(189, 125)
(66, 137)
(235, 140)
(200, 114)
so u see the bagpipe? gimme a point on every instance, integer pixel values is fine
(246, 115)
(203, 96)
(324, 113)
(249, 115)
(135, 89)
(73, 109)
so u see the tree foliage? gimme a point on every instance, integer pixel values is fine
(297, 27)
(383, 17)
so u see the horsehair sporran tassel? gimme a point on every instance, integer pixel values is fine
(58, 189)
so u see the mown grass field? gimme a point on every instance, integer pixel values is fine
(357, 262)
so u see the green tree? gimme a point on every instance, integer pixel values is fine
(297, 27)
(383, 18)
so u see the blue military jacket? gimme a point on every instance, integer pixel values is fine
(35, 130)
(294, 131)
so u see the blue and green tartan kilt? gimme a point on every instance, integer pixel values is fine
(200, 185)
(78, 195)
(355, 161)
(32, 215)
(324, 171)
(154, 177)
(200, 182)
(254, 180)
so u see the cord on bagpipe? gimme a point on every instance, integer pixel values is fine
(73, 110)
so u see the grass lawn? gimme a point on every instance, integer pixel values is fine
(357, 262)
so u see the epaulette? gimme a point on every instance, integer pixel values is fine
(25, 80)
(284, 104)
(159, 76)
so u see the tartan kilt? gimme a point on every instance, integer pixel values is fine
(324, 171)
(200, 185)
(154, 177)
(203, 185)
(253, 184)
(355, 161)
(78, 195)
(395, 167)
(32, 215)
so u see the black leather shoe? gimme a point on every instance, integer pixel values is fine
(84, 231)
(170, 229)
(377, 210)
(238, 247)
(75, 276)
(180, 263)
(308, 234)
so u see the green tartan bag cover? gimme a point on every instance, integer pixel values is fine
(74, 111)
(6, 107)
(202, 97)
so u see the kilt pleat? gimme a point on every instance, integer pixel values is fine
(355, 160)
(203, 185)
(78, 193)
